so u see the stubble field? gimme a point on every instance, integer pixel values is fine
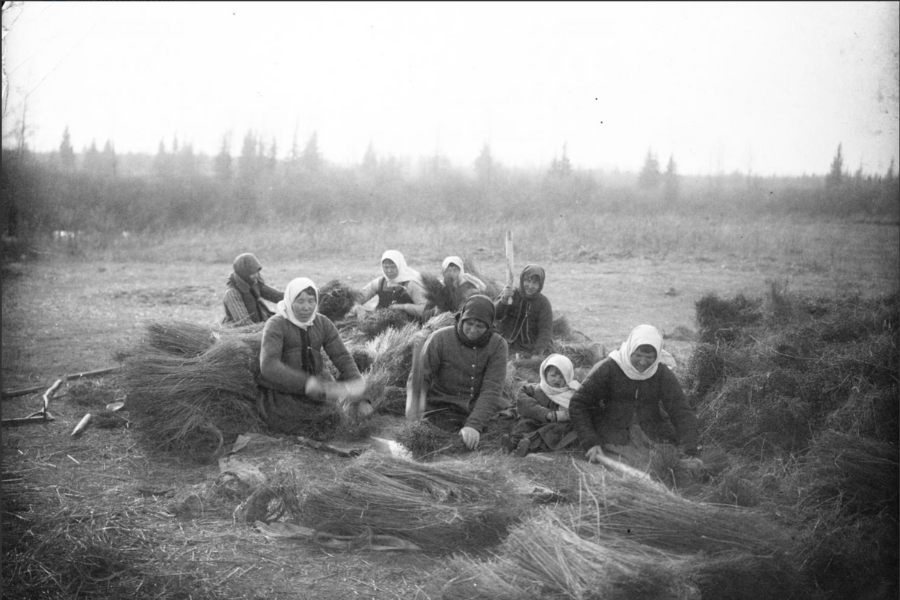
(63, 316)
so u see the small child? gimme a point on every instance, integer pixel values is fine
(544, 424)
(525, 316)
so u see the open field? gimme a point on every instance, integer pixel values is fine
(62, 315)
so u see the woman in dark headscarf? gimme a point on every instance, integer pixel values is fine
(463, 370)
(297, 393)
(525, 316)
(246, 291)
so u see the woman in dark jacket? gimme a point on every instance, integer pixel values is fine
(245, 294)
(524, 315)
(620, 401)
(297, 393)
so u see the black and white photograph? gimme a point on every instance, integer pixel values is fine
(450, 300)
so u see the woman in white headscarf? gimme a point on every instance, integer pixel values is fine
(398, 288)
(453, 270)
(619, 404)
(297, 393)
(543, 408)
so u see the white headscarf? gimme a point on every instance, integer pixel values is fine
(404, 273)
(291, 292)
(463, 276)
(563, 395)
(640, 335)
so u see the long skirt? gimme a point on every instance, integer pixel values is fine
(298, 415)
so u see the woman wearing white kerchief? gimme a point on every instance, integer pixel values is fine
(454, 273)
(618, 405)
(544, 423)
(297, 393)
(398, 288)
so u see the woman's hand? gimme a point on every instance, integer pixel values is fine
(562, 415)
(360, 313)
(470, 437)
(506, 293)
(595, 454)
(314, 389)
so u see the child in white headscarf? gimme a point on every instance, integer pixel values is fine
(398, 288)
(297, 393)
(543, 408)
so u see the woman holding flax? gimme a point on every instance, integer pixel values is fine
(399, 288)
(297, 393)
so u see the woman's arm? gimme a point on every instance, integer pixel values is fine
(529, 405)
(235, 309)
(585, 404)
(269, 293)
(544, 328)
(420, 300)
(275, 372)
(337, 351)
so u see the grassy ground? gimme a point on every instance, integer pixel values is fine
(103, 490)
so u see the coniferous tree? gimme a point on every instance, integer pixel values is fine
(222, 164)
(671, 180)
(649, 176)
(66, 153)
(834, 178)
(108, 160)
(92, 162)
(312, 160)
(484, 165)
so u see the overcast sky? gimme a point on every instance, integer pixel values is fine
(762, 86)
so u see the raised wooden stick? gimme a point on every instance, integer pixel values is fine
(510, 273)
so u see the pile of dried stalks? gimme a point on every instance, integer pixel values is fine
(194, 405)
(545, 557)
(446, 506)
(336, 299)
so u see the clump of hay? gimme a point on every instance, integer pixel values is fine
(545, 557)
(336, 299)
(721, 320)
(446, 506)
(278, 498)
(382, 319)
(649, 513)
(849, 474)
(193, 405)
(441, 297)
(582, 354)
(423, 439)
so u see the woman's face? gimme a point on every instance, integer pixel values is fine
(253, 277)
(554, 377)
(473, 328)
(531, 285)
(451, 273)
(390, 269)
(642, 358)
(304, 306)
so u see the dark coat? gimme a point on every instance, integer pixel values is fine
(609, 402)
(526, 324)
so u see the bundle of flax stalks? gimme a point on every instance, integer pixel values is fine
(193, 404)
(545, 557)
(446, 506)
(648, 513)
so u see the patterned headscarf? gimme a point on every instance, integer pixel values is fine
(246, 265)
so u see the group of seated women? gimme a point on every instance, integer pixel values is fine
(630, 398)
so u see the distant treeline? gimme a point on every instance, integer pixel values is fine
(94, 192)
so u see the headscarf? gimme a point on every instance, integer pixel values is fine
(404, 272)
(560, 396)
(480, 307)
(530, 271)
(291, 292)
(246, 265)
(640, 335)
(463, 276)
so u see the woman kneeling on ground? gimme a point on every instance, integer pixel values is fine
(544, 424)
(463, 371)
(617, 412)
(246, 291)
(297, 393)
(399, 288)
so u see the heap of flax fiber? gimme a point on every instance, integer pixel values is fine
(193, 405)
(442, 507)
